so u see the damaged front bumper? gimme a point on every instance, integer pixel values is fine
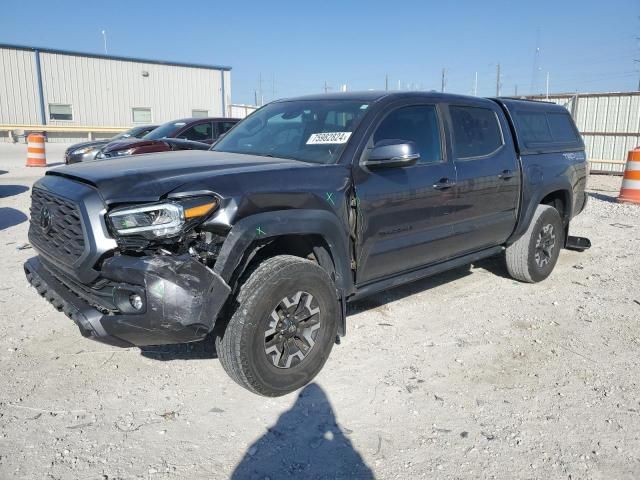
(179, 299)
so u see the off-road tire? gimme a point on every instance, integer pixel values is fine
(520, 256)
(241, 346)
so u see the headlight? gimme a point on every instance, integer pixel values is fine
(162, 219)
(121, 153)
(83, 150)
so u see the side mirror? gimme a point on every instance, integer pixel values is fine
(393, 153)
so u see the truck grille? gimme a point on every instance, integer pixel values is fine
(56, 226)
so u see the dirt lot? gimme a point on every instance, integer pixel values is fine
(465, 375)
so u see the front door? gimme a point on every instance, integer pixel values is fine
(404, 213)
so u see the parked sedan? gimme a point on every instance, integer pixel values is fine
(84, 151)
(184, 134)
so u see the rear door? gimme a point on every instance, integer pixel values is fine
(404, 213)
(488, 177)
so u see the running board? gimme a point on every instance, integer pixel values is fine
(578, 244)
(414, 275)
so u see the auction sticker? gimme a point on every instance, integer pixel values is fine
(328, 138)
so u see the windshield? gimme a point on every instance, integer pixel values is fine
(311, 131)
(167, 130)
(132, 132)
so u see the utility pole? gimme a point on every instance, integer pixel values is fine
(498, 80)
(386, 82)
(104, 39)
(515, 93)
(475, 86)
(444, 80)
(326, 87)
(547, 85)
(255, 97)
(536, 65)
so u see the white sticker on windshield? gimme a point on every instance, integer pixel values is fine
(328, 138)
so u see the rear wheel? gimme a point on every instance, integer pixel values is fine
(534, 255)
(283, 329)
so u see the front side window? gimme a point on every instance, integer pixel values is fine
(418, 124)
(476, 131)
(315, 131)
(60, 112)
(198, 133)
(141, 115)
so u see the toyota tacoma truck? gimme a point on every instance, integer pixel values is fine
(308, 204)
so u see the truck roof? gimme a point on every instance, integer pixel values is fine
(376, 95)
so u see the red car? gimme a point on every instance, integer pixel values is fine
(184, 134)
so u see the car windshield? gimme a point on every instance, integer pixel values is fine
(132, 132)
(167, 130)
(314, 131)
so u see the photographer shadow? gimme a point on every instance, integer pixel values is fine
(305, 442)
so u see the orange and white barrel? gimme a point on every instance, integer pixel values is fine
(630, 191)
(36, 154)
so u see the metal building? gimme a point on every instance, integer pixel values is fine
(608, 122)
(72, 95)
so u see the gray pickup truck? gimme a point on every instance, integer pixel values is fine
(304, 206)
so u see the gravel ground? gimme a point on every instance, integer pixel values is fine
(464, 375)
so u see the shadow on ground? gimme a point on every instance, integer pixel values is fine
(11, 190)
(205, 349)
(604, 198)
(305, 442)
(10, 217)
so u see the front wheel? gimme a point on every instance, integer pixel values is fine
(533, 256)
(283, 328)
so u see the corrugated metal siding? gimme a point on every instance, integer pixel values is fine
(609, 124)
(18, 87)
(103, 91)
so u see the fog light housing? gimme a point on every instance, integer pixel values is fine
(136, 301)
(130, 299)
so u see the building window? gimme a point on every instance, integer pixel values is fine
(200, 113)
(141, 115)
(60, 112)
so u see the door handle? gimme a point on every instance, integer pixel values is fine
(444, 184)
(506, 175)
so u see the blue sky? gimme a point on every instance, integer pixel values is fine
(298, 45)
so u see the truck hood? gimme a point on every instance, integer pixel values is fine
(149, 177)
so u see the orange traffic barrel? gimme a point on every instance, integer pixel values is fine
(36, 155)
(630, 190)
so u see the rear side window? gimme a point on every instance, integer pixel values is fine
(417, 124)
(476, 131)
(224, 127)
(534, 127)
(546, 130)
(562, 129)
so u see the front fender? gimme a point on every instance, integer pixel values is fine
(263, 226)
